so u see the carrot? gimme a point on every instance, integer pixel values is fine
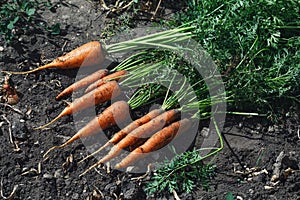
(99, 95)
(83, 82)
(88, 54)
(114, 76)
(123, 132)
(109, 117)
(93, 53)
(157, 141)
(141, 132)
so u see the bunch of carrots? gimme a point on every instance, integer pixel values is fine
(153, 130)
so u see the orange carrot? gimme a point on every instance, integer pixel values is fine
(83, 82)
(156, 141)
(123, 132)
(88, 54)
(143, 131)
(99, 95)
(114, 76)
(114, 113)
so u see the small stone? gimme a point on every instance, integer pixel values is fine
(58, 173)
(47, 176)
(241, 124)
(251, 191)
(239, 198)
(1, 48)
(268, 187)
(205, 132)
(271, 129)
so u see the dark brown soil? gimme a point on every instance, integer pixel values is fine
(244, 167)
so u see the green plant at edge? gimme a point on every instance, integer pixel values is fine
(19, 16)
(184, 171)
(255, 45)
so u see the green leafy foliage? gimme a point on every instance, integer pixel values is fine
(55, 29)
(229, 196)
(183, 173)
(255, 45)
(19, 16)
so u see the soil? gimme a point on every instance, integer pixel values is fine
(244, 167)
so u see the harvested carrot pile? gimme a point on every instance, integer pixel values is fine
(146, 134)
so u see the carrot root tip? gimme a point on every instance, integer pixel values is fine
(90, 168)
(49, 123)
(94, 153)
(51, 149)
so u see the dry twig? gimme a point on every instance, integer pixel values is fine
(157, 7)
(145, 175)
(11, 196)
(11, 137)
(12, 108)
(175, 194)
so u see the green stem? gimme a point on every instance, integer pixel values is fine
(160, 39)
(201, 158)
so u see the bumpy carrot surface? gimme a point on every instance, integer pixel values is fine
(114, 76)
(83, 82)
(157, 141)
(95, 97)
(114, 113)
(130, 127)
(143, 131)
(88, 54)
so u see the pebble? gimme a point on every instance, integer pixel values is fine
(271, 129)
(47, 176)
(239, 198)
(1, 48)
(241, 124)
(251, 191)
(205, 132)
(58, 173)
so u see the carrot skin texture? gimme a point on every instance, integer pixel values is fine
(88, 54)
(156, 141)
(116, 76)
(135, 124)
(83, 82)
(99, 95)
(106, 119)
(126, 130)
(143, 131)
